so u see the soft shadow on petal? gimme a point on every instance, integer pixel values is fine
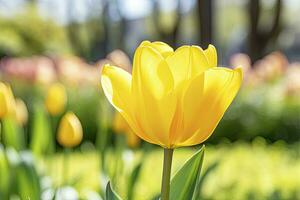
(186, 63)
(220, 87)
(153, 89)
(116, 84)
(186, 113)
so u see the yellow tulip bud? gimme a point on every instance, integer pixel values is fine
(4, 101)
(7, 101)
(21, 112)
(173, 98)
(56, 99)
(69, 130)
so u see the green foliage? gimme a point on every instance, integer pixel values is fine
(12, 135)
(256, 171)
(84, 102)
(260, 169)
(184, 181)
(202, 178)
(111, 194)
(4, 174)
(43, 138)
(27, 33)
(133, 180)
(19, 177)
(264, 112)
(27, 180)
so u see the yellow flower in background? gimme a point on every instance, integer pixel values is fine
(4, 100)
(132, 140)
(173, 98)
(121, 126)
(56, 99)
(21, 112)
(7, 101)
(69, 130)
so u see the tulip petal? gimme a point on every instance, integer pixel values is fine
(210, 101)
(152, 88)
(187, 62)
(116, 84)
(211, 54)
(187, 110)
(164, 49)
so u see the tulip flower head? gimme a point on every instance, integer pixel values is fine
(7, 101)
(69, 131)
(56, 99)
(173, 98)
(21, 112)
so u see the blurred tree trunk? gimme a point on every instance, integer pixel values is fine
(123, 26)
(105, 23)
(168, 36)
(205, 14)
(32, 1)
(260, 38)
(89, 38)
(114, 35)
(73, 30)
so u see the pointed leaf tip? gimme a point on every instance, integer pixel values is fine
(111, 194)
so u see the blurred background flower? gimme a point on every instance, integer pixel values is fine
(69, 130)
(56, 99)
(21, 112)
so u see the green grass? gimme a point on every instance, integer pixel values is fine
(245, 171)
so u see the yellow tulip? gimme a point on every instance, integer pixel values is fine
(4, 100)
(7, 101)
(56, 99)
(21, 112)
(69, 130)
(173, 98)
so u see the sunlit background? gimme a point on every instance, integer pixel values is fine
(51, 54)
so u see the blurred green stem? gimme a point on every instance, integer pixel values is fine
(0, 131)
(165, 185)
(120, 146)
(65, 162)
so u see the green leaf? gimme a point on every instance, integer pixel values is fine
(5, 175)
(43, 140)
(184, 182)
(111, 194)
(12, 134)
(133, 180)
(27, 181)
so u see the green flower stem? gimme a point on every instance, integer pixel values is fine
(66, 156)
(165, 185)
